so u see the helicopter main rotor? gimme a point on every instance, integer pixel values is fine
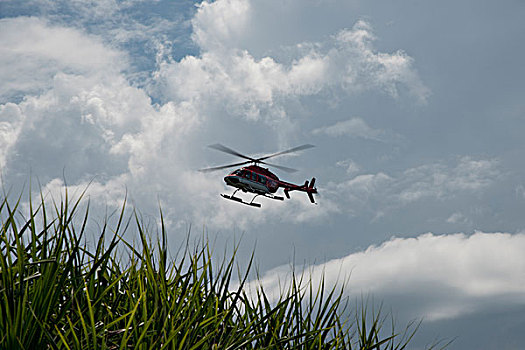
(255, 161)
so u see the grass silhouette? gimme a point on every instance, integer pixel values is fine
(56, 292)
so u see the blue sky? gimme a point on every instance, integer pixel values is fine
(415, 107)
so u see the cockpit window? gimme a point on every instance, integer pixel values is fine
(237, 172)
(246, 174)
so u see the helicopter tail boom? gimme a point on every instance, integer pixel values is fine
(308, 187)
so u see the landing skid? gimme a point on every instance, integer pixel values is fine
(277, 198)
(251, 203)
(237, 199)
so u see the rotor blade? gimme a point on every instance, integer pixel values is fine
(295, 149)
(225, 149)
(207, 170)
(283, 168)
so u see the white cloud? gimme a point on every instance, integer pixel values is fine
(11, 120)
(356, 127)
(440, 276)
(246, 86)
(220, 23)
(111, 193)
(439, 181)
(360, 194)
(34, 51)
(458, 218)
(231, 76)
(262, 26)
(379, 193)
(350, 166)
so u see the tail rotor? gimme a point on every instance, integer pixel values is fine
(310, 189)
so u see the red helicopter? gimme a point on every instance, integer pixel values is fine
(258, 180)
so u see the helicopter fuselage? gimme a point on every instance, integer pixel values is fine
(261, 181)
(253, 179)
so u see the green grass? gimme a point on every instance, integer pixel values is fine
(56, 292)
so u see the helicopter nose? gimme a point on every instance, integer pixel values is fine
(231, 180)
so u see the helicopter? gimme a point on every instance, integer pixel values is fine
(258, 180)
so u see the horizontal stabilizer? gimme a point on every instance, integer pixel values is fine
(311, 196)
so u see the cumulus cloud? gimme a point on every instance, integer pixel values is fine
(11, 120)
(72, 92)
(80, 114)
(34, 51)
(230, 75)
(72, 104)
(112, 193)
(439, 276)
(220, 23)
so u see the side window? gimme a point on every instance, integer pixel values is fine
(262, 179)
(247, 174)
(254, 176)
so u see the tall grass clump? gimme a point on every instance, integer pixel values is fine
(58, 292)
